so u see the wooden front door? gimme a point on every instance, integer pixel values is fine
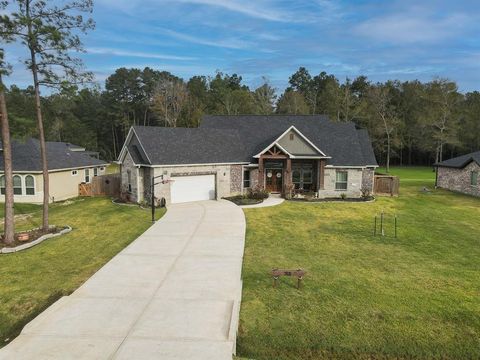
(273, 180)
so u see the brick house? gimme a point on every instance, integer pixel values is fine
(227, 155)
(460, 174)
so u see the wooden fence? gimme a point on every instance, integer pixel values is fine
(103, 185)
(386, 185)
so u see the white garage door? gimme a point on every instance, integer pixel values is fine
(192, 188)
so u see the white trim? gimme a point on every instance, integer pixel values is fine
(85, 176)
(311, 157)
(180, 165)
(350, 167)
(324, 156)
(121, 156)
(34, 184)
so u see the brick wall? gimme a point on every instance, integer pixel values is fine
(458, 179)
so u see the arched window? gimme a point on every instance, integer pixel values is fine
(29, 185)
(2, 184)
(17, 185)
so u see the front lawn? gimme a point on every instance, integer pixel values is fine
(33, 279)
(365, 297)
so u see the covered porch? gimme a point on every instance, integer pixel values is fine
(280, 174)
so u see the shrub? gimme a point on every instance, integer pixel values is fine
(257, 193)
(365, 190)
(343, 196)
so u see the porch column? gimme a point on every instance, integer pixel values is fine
(321, 174)
(288, 174)
(260, 173)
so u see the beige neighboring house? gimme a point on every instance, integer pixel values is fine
(68, 164)
(228, 155)
(460, 174)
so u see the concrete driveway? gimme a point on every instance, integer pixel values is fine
(174, 293)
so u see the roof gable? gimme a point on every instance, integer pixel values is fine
(293, 143)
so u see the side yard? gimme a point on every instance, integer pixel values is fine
(365, 297)
(33, 279)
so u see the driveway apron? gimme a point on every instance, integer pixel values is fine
(174, 293)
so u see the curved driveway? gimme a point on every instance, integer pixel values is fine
(174, 293)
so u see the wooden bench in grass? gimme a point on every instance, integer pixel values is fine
(298, 273)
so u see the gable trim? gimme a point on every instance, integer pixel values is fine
(323, 155)
(123, 153)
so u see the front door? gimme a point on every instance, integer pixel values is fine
(273, 180)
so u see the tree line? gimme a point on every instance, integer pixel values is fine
(410, 122)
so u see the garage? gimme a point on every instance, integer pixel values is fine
(192, 188)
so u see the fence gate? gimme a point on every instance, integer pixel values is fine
(386, 185)
(103, 185)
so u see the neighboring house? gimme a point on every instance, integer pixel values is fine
(227, 155)
(461, 174)
(68, 166)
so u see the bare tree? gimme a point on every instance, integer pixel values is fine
(50, 33)
(170, 99)
(384, 112)
(443, 97)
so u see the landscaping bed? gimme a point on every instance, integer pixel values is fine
(27, 237)
(243, 200)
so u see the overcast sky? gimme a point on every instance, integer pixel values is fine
(380, 39)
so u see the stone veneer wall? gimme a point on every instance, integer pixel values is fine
(368, 178)
(459, 179)
(236, 179)
(253, 178)
(128, 165)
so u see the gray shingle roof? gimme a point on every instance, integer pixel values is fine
(173, 146)
(461, 161)
(234, 139)
(347, 145)
(26, 156)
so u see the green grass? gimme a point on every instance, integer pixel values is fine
(20, 209)
(33, 279)
(412, 173)
(365, 297)
(112, 168)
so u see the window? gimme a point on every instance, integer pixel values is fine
(129, 180)
(102, 168)
(29, 185)
(246, 178)
(341, 180)
(87, 175)
(474, 178)
(95, 171)
(302, 176)
(292, 136)
(17, 185)
(74, 172)
(2, 185)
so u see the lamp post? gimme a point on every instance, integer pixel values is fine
(152, 193)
